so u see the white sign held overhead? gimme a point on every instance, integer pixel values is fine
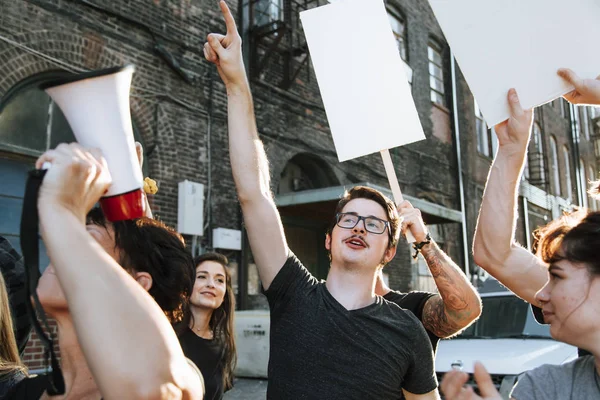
(363, 82)
(520, 44)
(361, 77)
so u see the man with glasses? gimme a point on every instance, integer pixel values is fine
(335, 339)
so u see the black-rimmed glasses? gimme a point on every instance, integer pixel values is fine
(372, 224)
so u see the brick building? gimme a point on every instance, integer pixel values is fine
(178, 107)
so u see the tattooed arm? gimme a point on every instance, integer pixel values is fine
(458, 303)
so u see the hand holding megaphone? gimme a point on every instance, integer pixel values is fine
(96, 105)
(78, 178)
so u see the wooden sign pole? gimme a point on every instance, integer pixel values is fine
(393, 180)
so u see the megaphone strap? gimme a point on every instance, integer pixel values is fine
(30, 248)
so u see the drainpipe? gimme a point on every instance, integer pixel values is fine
(461, 188)
(575, 152)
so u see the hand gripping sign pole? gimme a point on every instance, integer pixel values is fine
(362, 81)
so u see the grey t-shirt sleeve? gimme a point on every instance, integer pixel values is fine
(528, 389)
(573, 380)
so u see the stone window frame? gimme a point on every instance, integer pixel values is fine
(487, 142)
(396, 16)
(435, 61)
(554, 166)
(567, 164)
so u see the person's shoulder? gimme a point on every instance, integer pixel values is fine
(409, 299)
(552, 381)
(398, 313)
(554, 372)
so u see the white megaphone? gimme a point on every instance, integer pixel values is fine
(96, 105)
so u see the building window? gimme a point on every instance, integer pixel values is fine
(398, 24)
(567, 160)
(436, 74)
(583, 184)
(592, 178)
(267, 11)
(585, 122)
(31, 122)
(564, 108)
(537, 174)
(487, 142)
(594, 114)
(554, 167)
(525, 176)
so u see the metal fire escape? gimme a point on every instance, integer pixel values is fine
(276, 38)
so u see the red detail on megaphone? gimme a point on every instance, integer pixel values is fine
(124, 206)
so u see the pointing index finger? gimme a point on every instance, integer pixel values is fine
(229, 20)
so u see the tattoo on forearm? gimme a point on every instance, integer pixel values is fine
(455, 308)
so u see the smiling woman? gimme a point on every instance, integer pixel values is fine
(206, 332)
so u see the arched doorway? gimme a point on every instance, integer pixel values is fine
(306, 225)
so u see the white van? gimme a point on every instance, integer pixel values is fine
(506, 339)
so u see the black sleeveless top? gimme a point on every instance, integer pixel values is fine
(208, 357)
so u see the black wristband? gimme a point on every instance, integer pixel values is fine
(418, 246)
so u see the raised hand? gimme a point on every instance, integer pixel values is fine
(514, 133)
(225, 51)
(76, 180)
(587, 91)
(412, 220)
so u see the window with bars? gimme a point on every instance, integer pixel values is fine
(554, 166)
(267, 11)
(536, 170)
(436, 74)
(592, 178)
(398, 24)
(487, 142)
(567, 161)
(583, 183)
(585, 122)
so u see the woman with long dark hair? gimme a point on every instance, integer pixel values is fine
(12, 369)
(206, 333)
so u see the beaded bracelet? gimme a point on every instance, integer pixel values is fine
(419, 246)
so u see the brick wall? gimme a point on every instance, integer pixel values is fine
(182, 120)
(34, 352)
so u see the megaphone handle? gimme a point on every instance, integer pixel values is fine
(393, 180)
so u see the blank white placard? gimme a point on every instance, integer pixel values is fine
(520, 44)
(361, 77)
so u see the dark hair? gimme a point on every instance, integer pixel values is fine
(221, 320)
(574, 237)
(364, 192)
(148, 245)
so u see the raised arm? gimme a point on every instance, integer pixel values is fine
(458, 303)
(109, 308)
(249, 163)
(494, 246)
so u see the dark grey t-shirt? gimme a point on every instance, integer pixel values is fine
(414, 302)
(576, 380)
(320, 350)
